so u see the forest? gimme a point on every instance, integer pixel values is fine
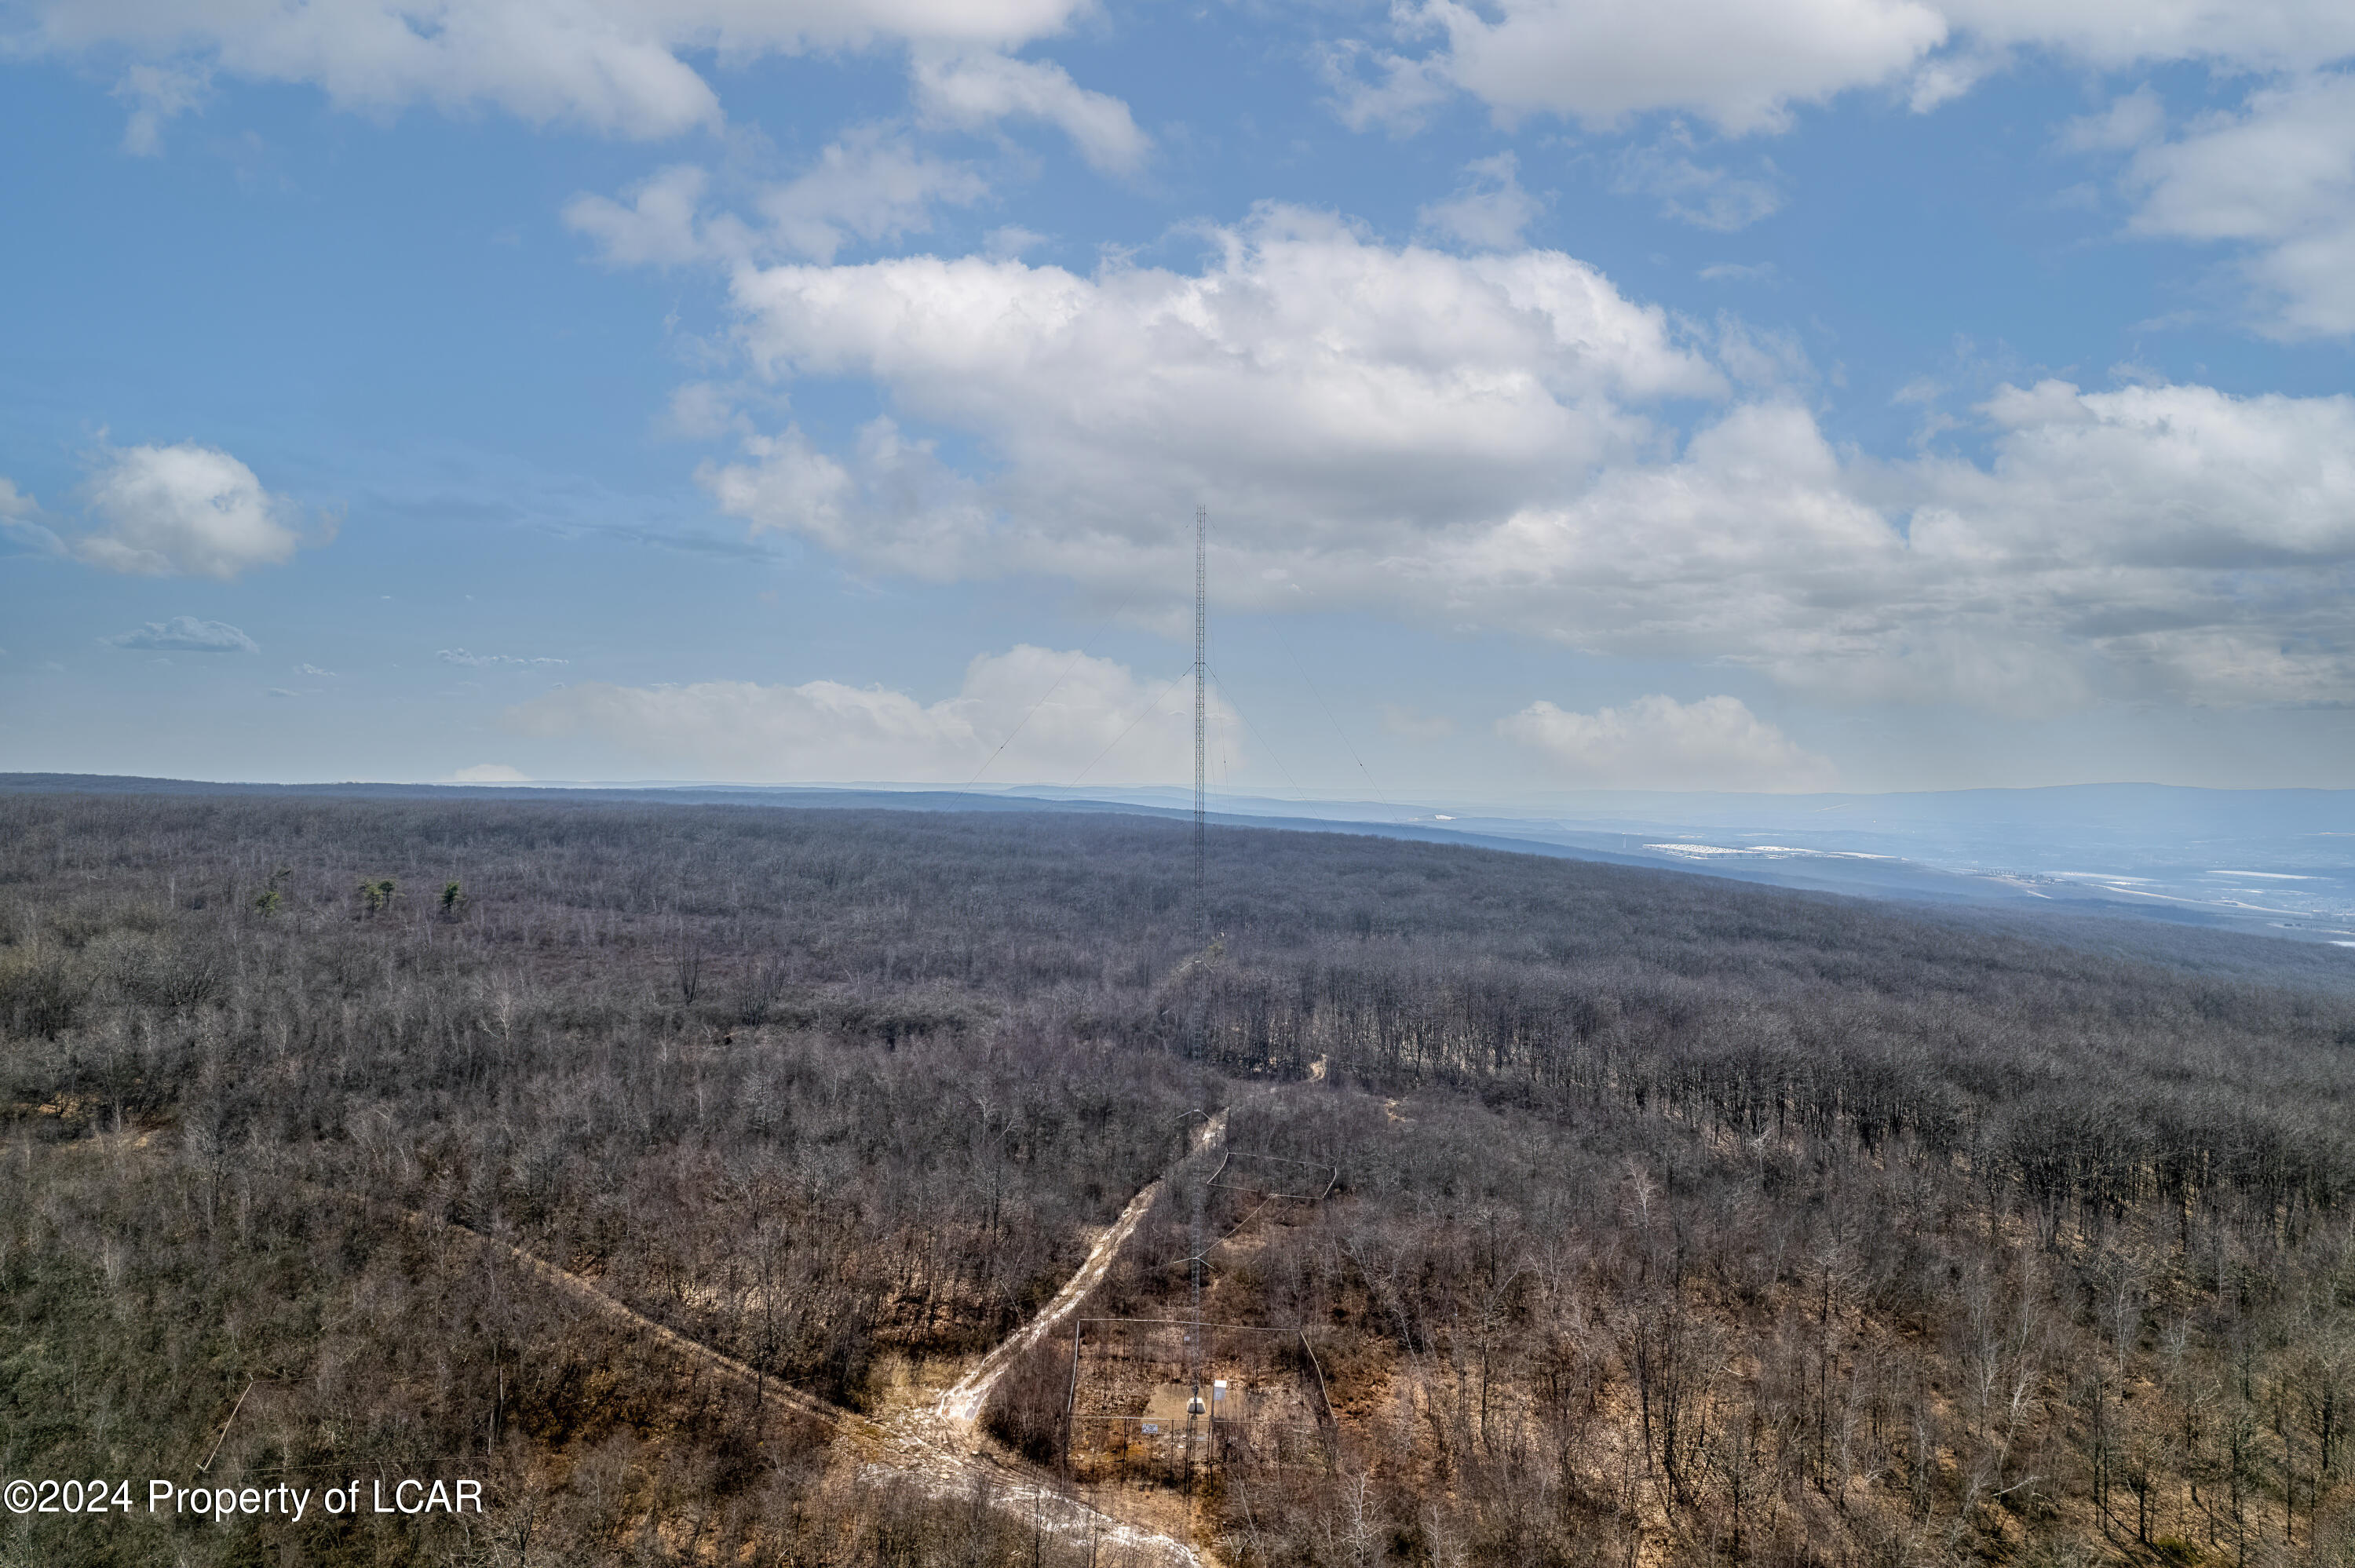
(667, 1167)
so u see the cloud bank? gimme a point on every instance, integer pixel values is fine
(1658, 743)
(1027, 715)
(1492, 441)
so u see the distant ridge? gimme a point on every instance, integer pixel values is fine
(1809, 855)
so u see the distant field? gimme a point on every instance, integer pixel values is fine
(1674, 1220)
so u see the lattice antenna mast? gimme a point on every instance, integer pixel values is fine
(1201, 931)
(1202, 685)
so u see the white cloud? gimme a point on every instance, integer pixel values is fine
(609, 66)
(1488, 211)
(1739, 65)
(1399, 96)
(1485, 441)
(870, 185)
(704, 411)
(1010, 241)
(1940, 79)
(973, 91)
(183, 511)
(1745, 67)
(661, 226)
(1304, 373)
(1658, 743)
(2277, 179)
(894, 498)
(1751, 546)
(2238, 35)
(2203, 544)
(2148, 542)
(1058, 717)
(2131, 120)
(14, 504)
(1693, 193)
(158, 94)
(185, 634)
(490, 773)
(2157, 476)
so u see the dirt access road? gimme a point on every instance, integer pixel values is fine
(961, 1407)
(938, 1448)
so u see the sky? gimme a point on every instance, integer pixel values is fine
(1860, 395)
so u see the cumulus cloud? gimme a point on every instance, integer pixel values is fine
(1368, 392)
(1029, 714)
(182, 511)
(2277, 180)
(609, 66)
(1493, 441)
(490, 773)
(2161, 541)
(185, 634)
(2204, 543)
(1745, 67)
(1658, 743)
(971, 91)
(1466, 440)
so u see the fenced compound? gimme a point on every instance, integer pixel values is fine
(1148, 1404)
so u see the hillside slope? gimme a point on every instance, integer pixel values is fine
(1672, 1219)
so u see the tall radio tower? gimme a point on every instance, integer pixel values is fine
(1201, 682)
(1194, 1407)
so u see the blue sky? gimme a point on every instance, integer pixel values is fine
(1861, 394)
